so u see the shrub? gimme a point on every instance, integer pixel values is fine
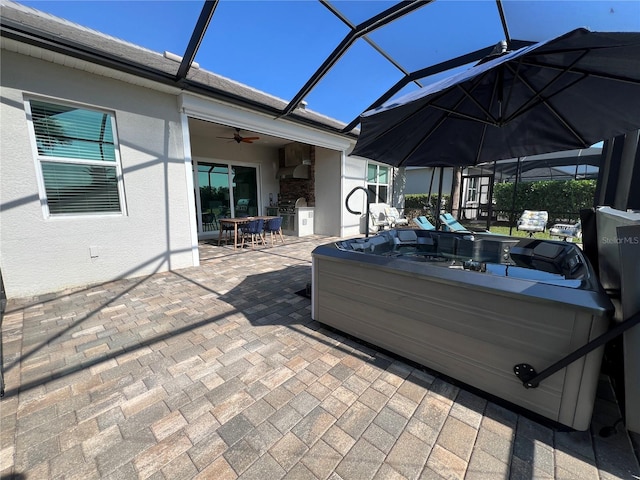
(563, 199)
(422, 200)
(421, 204)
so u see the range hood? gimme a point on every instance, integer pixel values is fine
(298, 171)
(296, 160)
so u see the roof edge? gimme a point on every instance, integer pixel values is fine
(28, 34)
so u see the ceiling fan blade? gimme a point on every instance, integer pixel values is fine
(239, 138)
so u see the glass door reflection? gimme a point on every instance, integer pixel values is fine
(224, 191)
(215, 202)
(245, 191)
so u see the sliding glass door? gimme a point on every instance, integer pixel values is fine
(213, 186)
(245, 191)
(224, 190)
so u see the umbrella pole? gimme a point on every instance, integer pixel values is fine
(490, 197)
(456, 191)
(439, 199)
(515, 190)
(433, 170)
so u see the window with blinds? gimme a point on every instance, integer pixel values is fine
(78, 159)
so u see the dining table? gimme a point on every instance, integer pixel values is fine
(235, 222)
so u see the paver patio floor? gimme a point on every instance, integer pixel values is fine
(219, 372)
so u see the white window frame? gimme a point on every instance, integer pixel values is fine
(376, 185)
(472, 189)
(39, 159)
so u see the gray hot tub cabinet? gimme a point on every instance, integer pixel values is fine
(473, 326)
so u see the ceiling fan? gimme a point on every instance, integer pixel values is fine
(239, 138)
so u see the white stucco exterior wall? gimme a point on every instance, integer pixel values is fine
(354, 175)
(418, 180)
(327, 219)
(40, 255)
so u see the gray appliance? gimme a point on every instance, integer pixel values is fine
(288, 210)
(618, 244)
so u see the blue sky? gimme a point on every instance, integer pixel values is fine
(275, 46)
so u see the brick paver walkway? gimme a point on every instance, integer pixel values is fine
(219, 372)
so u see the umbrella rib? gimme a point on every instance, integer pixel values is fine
(541, 100)
(392, 127)
(495, 91)
(436, 126)
(468, 94)
(603, 75)
(429, 105)
(464, 115)
(505, 103)
(538, 98)
(492, 121)
(423, 139)
(538, 93)
(479, 150)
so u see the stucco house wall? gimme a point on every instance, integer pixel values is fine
(41, 255)
(157, 230)
(328, 192)
(354, 171)
(418, 180)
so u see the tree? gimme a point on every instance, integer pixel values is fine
(49, 134)
(456, 186)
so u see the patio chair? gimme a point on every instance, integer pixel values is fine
(533, 221)
(225, 232)
(274, 227)
(423, 223)
(393, 217)
(450, 224)
(377, 218)
(209, 222)
(566, 231)
(253, 230)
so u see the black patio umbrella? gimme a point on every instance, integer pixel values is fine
(566, 93)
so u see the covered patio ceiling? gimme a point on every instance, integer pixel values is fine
(339, 57)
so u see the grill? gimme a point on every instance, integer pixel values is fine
(287, 209)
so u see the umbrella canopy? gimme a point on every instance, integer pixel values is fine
(566, 93)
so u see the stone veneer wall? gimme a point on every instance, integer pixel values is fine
(292, 188)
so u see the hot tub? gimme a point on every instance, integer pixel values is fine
(472, 306)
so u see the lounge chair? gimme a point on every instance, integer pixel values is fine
(533, 221)
(423, 223)
(566, 231)
(450, 224)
